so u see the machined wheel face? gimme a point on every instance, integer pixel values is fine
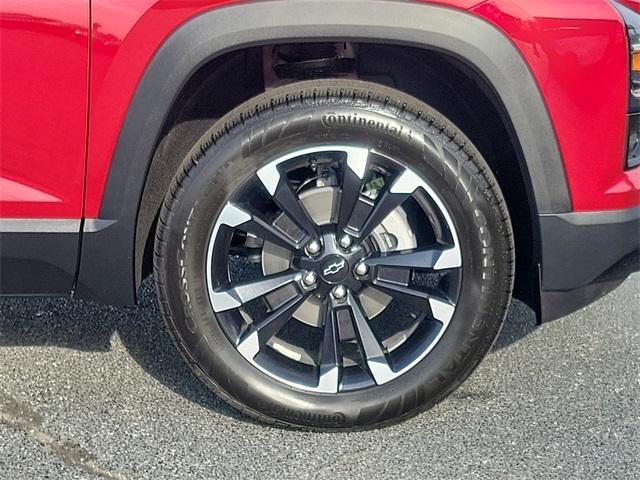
(334, 268)
(333, 254)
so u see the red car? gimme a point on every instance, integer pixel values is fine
(338, 199)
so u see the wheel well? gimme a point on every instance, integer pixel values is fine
(442, 81)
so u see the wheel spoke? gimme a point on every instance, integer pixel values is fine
(237, 217)
(237, 296)
(268, 232)
(329, 361)
(435, 258)
(278, 187)
(442, 310)
(269, 326)
(416, 298)
(390, 199)
(428, 300)
(356, 166)
(369, 346)
(385, 204)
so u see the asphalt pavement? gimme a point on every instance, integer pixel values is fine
(89, 391)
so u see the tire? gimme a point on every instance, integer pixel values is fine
(459, 204)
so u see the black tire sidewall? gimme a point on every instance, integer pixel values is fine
(473, 201)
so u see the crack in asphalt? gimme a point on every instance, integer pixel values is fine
(19, 417)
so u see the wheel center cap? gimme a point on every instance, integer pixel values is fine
(334, 269)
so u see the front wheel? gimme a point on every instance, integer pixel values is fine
(334, 254)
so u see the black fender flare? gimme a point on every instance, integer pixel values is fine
(107, 261)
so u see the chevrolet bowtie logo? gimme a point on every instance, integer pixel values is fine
(334, 268)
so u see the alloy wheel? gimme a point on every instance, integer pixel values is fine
(334, 268)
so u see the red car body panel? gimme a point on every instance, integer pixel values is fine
(44, 66)
(576, 51)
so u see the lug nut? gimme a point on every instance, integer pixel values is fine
(313, 247)
(345, 241)
(361, 269)
(310, 279)
(339, 291)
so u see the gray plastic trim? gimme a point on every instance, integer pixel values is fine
(40, 225)
(600, 217)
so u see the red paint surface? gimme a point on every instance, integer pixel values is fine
(576, 50)
(43, 107)
(125, 36)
